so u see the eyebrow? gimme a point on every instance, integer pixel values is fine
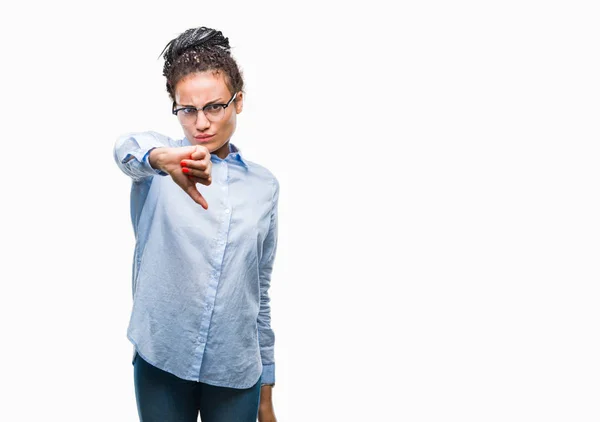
(208, 103)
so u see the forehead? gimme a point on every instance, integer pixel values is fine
(200, 87)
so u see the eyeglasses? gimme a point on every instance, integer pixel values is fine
(188, 115)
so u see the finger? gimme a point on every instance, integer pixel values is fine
(205, 182)
(196, 196)
(196, 164)
(202, 174)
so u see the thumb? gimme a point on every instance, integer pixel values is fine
(192, 191)
(187, 151)
(199, 153)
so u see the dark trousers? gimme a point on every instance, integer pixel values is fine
(163, 397)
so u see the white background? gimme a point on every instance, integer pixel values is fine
(439, 211)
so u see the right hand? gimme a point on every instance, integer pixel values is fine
(196, 157)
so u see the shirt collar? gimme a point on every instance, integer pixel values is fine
(237, 154)
(234, 151)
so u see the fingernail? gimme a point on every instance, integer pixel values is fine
(183, 164)
(185, 170)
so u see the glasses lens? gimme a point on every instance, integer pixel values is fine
(214, 112)
(187, 116)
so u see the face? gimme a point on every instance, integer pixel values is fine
(199, 89)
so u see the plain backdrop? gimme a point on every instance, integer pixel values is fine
(439, 236)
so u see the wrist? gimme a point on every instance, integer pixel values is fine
(154, 158)
(265, 393)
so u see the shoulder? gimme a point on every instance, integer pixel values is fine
(261, 171)
(265, 175)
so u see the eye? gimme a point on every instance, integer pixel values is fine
(211, 108)
(188, 111)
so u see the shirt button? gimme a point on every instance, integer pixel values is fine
(227, 211)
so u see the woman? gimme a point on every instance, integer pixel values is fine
(205, 223)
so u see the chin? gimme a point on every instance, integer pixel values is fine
(213, 146)
(210, 144)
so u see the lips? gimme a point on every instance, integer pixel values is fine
(203, 137)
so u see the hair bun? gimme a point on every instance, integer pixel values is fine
(207, 35)
(194, 38)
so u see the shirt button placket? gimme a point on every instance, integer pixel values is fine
(215, 273)
(224, 230)
(219, 250)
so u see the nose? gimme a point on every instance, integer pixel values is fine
(202, 123)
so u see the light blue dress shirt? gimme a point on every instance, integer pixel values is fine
(201, 277)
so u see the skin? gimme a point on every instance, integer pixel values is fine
(197, 89)
(266, 413)
(190, 165)
(200, 88)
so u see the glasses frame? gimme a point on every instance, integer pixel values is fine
(175, 110)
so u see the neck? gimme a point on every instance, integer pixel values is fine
(222, 152)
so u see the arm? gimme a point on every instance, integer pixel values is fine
(146, 154)
(266, 336)
(132, 152)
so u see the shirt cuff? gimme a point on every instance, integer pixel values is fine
(268, 374)
(132, 152)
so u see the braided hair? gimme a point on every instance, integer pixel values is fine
(198, 50)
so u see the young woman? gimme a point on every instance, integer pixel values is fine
(205, 224)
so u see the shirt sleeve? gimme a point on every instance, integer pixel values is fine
(131, 153)
(266, 336)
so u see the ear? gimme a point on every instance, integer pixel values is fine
(239, 102)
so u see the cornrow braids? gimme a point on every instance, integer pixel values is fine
(198, 50)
